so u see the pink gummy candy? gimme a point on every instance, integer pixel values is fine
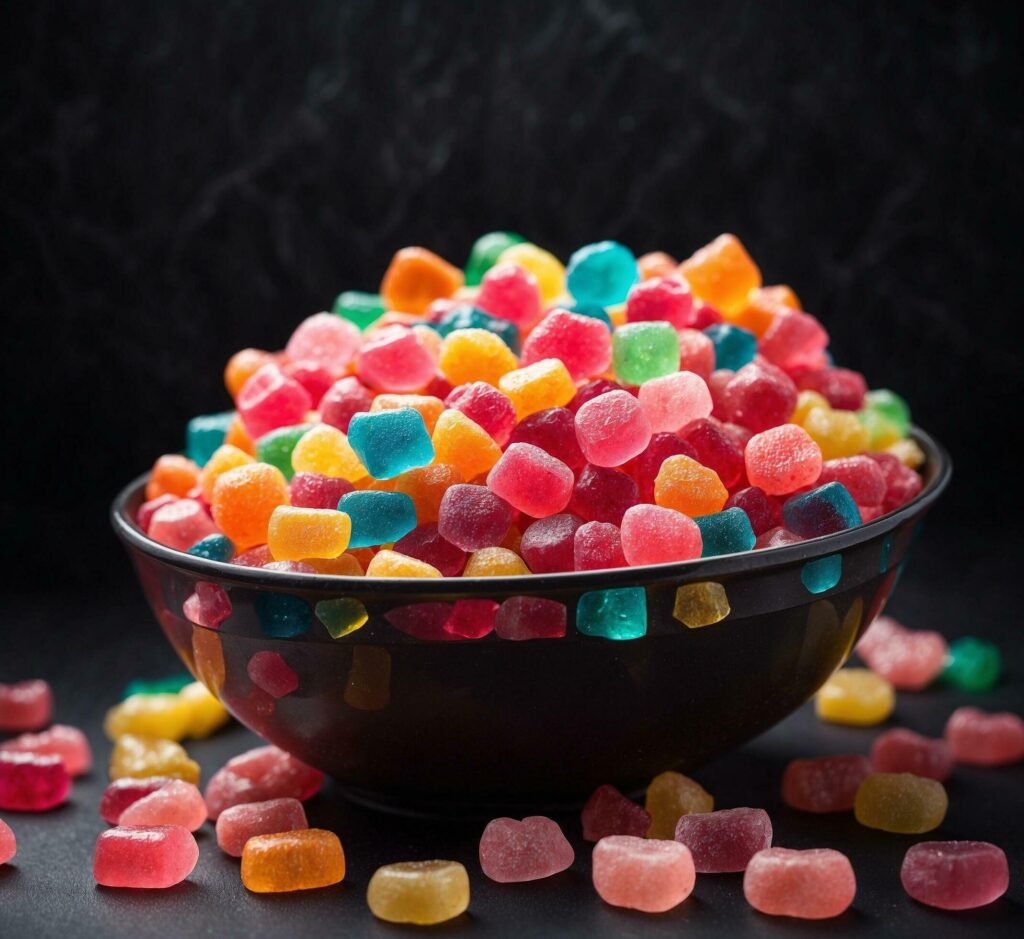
(270, 399)
(30, 783)
(238, 824)
(981, 739)
(315, 491)
(583, 343)
(643, 873)
(597, 546)
(531, 480)
(612, 429)
(955, 875)
(473, 517)
(181, 524)
(655, 535)
(69, 743)
(513, 851)
(696, 353)
(485, 405)
(175, 803)
(782, 459)
(8, 843)
(902, 751)
(792, 339)
(609, 812)
(346, 397)
(861, 476)
(660, 298)
(155, 857)
(759, 396)
(548, 545)
(510, 293)
(145, 514)
(726, 840)
(123, 792)
(530, 618)
(814, 884)
(270, 672)
(825, 783)
(25, 705)
(672, 401)
(394, 359)
(471, 619)
(327, 340)
(209, 606)
(316, 379)
(260, 774)
(909, 658)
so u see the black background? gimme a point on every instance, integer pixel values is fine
(179, 180)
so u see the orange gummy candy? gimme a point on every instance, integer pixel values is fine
(242, 366)
(238, 436)
(656, 264)
(415, 278)
(722, 274)
(689, 487)
(172, 475)
(243, 500)
(429, 407)
(426, 486)
(224, 458)
(464, 444)
(537, 387)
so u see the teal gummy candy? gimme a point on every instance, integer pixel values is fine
(485, 251)
(890, 406)
(734, 346)
(594, 311)
(822, 511)
(360, 308)
(282, 615)
(378, 517)
(170, 685)
(602, 273)
(390, 442)
(642, 351)
(467, 316)
(276, 446)
(214, 548)
(822, 574)
(613, 614)
(972, 664)
(206, 433)
(726, 532)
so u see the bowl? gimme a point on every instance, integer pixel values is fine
(732, 645)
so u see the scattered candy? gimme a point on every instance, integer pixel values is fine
(258, 775)
(68, 743)
(855, 696)
(8, 843)
(121, 793)
(609, 812)
(512, 851)
(726, 840)
(292, 860)
(900, 802)
(902, 751)
(155, 857)
(32, 783)
(650, 875)
(909, 659)
(824, 784)
(972, 664)
(815, 884)
(421, 892)
(671, 795)
(955, 875)
(236, 825)
(978, 738)
(174, 803)
(139, 757)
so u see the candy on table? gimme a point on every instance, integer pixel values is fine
(122, 793)
(609, 812)
(469, 355)
(758, 396)
(689, 487)
(165, 715)
(782, 460)
(972, 664)
(818, 883)
(650, 875)
(391, 442)
(714, 447)
(156, 857)
(138, 756)
(392, 564)
(722, 273)
(838, 433)
(978, 738)
(242, 366)
(224, 458)
(377, 517)
(172, 475)
(415, 277)
(543, 265)
(236, 825)
(652, 534)
(583, 343)
(270, 399)
(646, 350)
(536, 387)
(726, 532)
(602, 273)
(8, 843)
(359, 307)
(292, 860)
(603, 494)
(316, 491)
(673, 401)
(296, 533)
(485, 406)
(426, 544)
(510, 292)
(428, 406)
(327, 340)
(204, 434)
(31, 782)
(494, 562)
(522, 618)
(793, 339)
(763, 511)
(180, 524)
(547, 545)
(901, 482)
(701, 604)
(900, 802)
(68, 743)
(724, 841)
(209, 606)
(617, 614)
(258, 775)
(25, 705)
(514, 851)
(531, 480)
(244, 499)
(213, 548)
(824, 783)
(420, 892)
(396, 358)
(277, 447)
(473, 517)
(270, 672)
(460, 442)
(955, 875)
(734, 347)
(909, 658)
(671, 795)
(346, 397)
(554, 431)
(855, 696)
(485, 253)
(902, 751)
(822, 511)
(174, 803)
(665, 298)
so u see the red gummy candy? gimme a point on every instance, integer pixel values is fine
(530, 618)
(909, 658)
(547, 545)
(514, 851)
(554, 431)
(8, 843)
(901, 482)
(145, 514)
(124, 792)
(316, 379)
(261, 774)
(862, 477)
(793, 339)
(902, 751)
(824, 784)
(598, 546)
(609, 812)
(715, 449)
(510, 293)
(425, 543)
(724, 841)
(155, 857)
(30, 783)
(25, 705)
(344, 399)
(239, 823)
(270, 399)
(472, 619)
(486, 406)
(472, 517)
(531, 480)
(314, 491)
(843, 388)
(584, 344)
(68, 743)
(602, 494)
(759, 396)
(955, 875)
(660, 298)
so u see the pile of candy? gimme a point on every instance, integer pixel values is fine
(521, 416)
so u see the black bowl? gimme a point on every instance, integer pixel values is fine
(467, 725)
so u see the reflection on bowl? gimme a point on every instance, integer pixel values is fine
(647, 668)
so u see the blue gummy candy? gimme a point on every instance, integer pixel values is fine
(378, 517)
(734, 346)
(822, 574)
(601, 274)
(214, 548)
(467, 316)
(282, 615)
(613, 614)
(726, 532)
(206, 433)
(390, 442)
(822, 511)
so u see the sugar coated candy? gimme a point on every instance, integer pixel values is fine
(486, 407)
(244, 499)
(725, 532)
(554, 431)
(664, 297)
(67, 743)
(236, 825)
(140, 757)
(902, 751)
(174, 803)
(415, 277)
(292, 860)
(358, 307)
(717, 447)
(783, 459)
(171, 474)
(25, 705)
(326, 340)
(270, 399)
(154, 715)
(909, 658)
(650, 875)
(822, 511)
(180, 524)
(855, 696)
(469, 355)
(8, 843)
(825, 783)
(392, 564)
(510, 292)
(485, 253)
(420, 892)
(377, 517)
(531, 480)
(646, 350)
(547, 545)
(473, 517)
(972, 664)
(213, 548)
(121, 793)
(673, 401)
(603, 494)
(901, 803)
(602, 273)
(583, 343)
(722, 273)
(671, 795)
(258, 775)
(204, 434)
(818, 883)
(609, 812)
(32, 783)
(543, 265)
(540, 385)
(655, 535)
(758, 396)
(724, 841)
(734, 347)
(390, 442)
(978, 738)
(515, 851)
(955, 875)
(154, 857)
(689, 487)
(597, 546)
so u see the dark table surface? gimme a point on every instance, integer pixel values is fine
(89, 645)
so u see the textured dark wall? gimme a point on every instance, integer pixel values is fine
(182, 179)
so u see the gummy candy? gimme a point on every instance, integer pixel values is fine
(316, 491)
(204, 434)
(295, 533)
(67, 743)
(531, 480)
(271, 673)
(822, 511)
(972, 664)
(613, 614)
(725, 532)
(602, 273)
(174, 803)
(582, 343)
(8, 843)
(487, 407)
(510, 292)
(516, 851)
(165, 716)
(544, 384)
(122, 793)
(978, 738)
(460, 442)
(671, 795)
(25, 705)
(547, 546)
(236, 825)
(157, 857)
(909, 659)
(485, 253)
(242, 366)
(855, 696)
(665, 298)
(472, 517)
(861, 476)
(244, 499)
(345, 398)
(782, 460)
(818, 883)
(763, 511)
(495, 562)
(609, 812)
(270, 399)
(426, 544)
(603, 494)
(554, 431)
(393, 564)
(415, 277)
(689, 487)
(377, 517)
(822, 574)
(902, 751)
(258, 775)
(900, 802)
(429, 407)
(722, 273)
(543, 265)
(642, 874)
(724, 841)
(521, 618)
(713, 446)
(701, 604)
(209, 606)
(277, 448)
(469, 355)
(171, 475)
(825, 783)
(213, 548)
(139, 756)
(292, 860)
(656, 264)
(838, 433)
(645, 350)
(673, 401)
(180, 524)
(31, 782)
(391, 442)
(655, 535)
(358, 307)
(955, 875)
(734, 347)
(420, 892)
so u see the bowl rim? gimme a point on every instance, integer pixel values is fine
(939, 469)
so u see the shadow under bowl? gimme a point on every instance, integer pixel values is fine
(475, 725)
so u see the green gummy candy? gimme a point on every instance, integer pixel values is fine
(972, 664)
(169, 685)
(889, 406)
(360, 308)
(484, 253)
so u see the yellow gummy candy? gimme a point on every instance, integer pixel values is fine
(206, 713)
(855, 696)
(838, 433)
(152, 715)
(324, 449)
(545, 384)
(806, 401)
(137, 757)
(494, 562)
(392, 564)
(549, 271)
(469, 355)
(297, 533)
(900, 802)
(670, 796)
(420, 892)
